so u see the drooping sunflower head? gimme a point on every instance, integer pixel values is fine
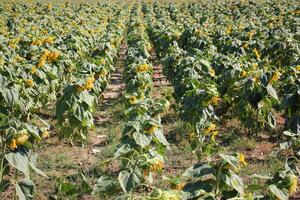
(242, 159)
(29, 83)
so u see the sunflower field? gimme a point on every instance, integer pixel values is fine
(154, 100)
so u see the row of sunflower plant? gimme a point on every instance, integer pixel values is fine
(75, 108)
(197, 89)
(41, 46)
(143, 145)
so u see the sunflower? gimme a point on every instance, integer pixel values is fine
(22, 137)
(89, 83)
(215, 100)
(29, 82)
(210, 128)
(45, 134)
(142, 68)
(212, 72)
(242, 159)
(102, 61)
(53, 56)
(256, 52)
(12, 144)
(254, 66)
(243, 73)
(228, 30)
(79, 88)
(293, 183)
(275, 77)
(43, 59)
(133, 100)
(245, 45)
(33, 70)
(36, 43)
(158, 165)
(49, 40)
(152, 129)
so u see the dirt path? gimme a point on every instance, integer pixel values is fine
(114, 90)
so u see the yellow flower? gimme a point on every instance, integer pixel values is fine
(49, 40)
(215, 100)
(45, 31)
(242, 160)
(79, 88)
(13, 43)
(214, 134)
(243, 74)
(22, 138)
(133, 100)
(246, 46)
(298, 68)
(241, 26)
(89, 83)
(36, 43)
(142, 68)
(102, 61)
(156, 166)
(53, 56)
(152, 129)
(275, 77)
(145, 173)
(177, 186)
(33, 70)
(254, 66)
(293, 183)
(29, 82)
(12, 144)
(228, 29)
(45, 134)
(250, 34)
(43, 58)
(212, 72)
(103, 73)
(210, 128)
(256, 52)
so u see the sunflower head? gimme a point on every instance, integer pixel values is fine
(12, 144)
(79, 88)
(33, 70)
(133, 100)
(156, 166)
(256, 53)
(242, 159)
(22, 137)
(29, 83)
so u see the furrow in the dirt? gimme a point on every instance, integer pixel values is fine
(114, 90)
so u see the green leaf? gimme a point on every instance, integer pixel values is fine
(234, 181)
(142, 139)
(198, 170)
(278, 193)
(27, 187)
(272, 92)
(19, 161)
(11, 96)
(20, 193)
(271, 120)
(128, 181)
(104, 184)
(124, 149)
(160, 137)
